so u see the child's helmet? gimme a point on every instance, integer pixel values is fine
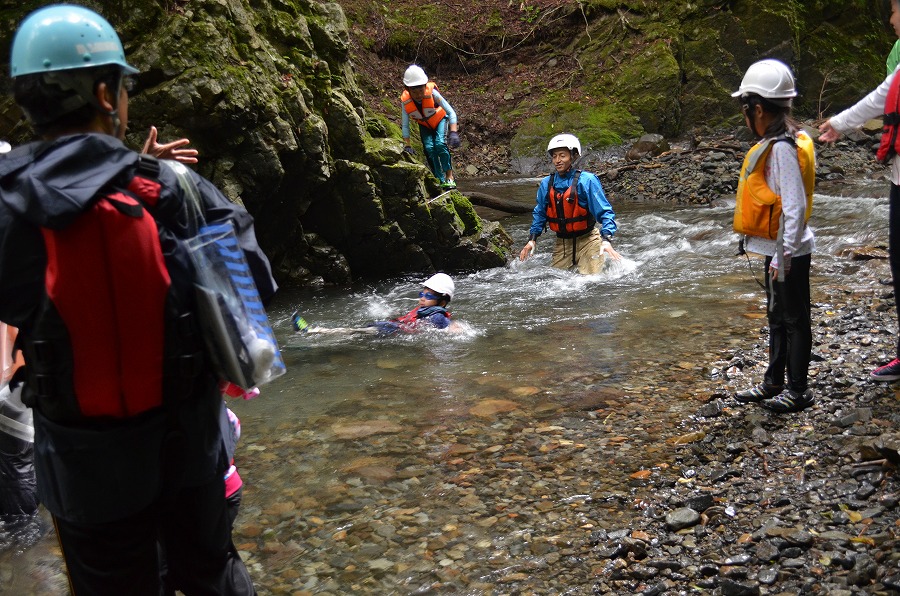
(65, 37)
(771, 79)
(564, 141)
(414, 76)
(441, 283)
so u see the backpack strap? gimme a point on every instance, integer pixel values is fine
(148, 167)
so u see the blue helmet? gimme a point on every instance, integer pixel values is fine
(65, 37)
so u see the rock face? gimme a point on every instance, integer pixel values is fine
(268, 95)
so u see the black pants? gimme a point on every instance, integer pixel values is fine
(121, 557)
(894, 249)
(18, 487)
(790, 325)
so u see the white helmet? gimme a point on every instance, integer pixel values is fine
(771, 79)
(441, 283)
(564, 141)
(414, 76)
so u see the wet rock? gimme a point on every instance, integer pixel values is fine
(863, 571)
(862, 253)
(647, 145)
(711, 410)
(888, 445)
(682, 518)
(699, 502)
(655, 590)
(491, 407)
(734, 588)
(767, 577)
(741, 559)
(359, 430)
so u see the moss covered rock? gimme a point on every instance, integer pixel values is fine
(268, 95)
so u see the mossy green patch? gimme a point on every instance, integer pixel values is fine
(472, 223)
(595, 125)
(652, 80)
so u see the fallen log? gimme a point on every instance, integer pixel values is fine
(492, 202)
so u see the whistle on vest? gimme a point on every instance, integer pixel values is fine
(740, 248)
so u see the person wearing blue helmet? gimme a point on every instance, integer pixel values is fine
(94, 272)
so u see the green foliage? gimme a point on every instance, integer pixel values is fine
(531, 14)
(495, 21)
(596, 126)
(401, 41)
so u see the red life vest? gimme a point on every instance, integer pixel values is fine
(890, 139)
(410, 320)
(430, 115)
(110, 339)
(564, 215)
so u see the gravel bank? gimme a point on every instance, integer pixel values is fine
(756, 502)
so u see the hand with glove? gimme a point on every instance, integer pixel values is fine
(409, 150)
(453, 140)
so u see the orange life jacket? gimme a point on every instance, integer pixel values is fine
(564, 215)
(757, 211)
(430, 115)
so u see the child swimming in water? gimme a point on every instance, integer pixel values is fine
(431, 312)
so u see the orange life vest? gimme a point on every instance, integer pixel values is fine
(430, 115)
(564, 215)
(757, 211)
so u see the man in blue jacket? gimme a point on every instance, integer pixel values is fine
(571, 202)
(95, 273)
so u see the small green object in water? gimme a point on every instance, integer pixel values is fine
(299, 323)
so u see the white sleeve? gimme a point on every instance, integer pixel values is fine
(784, 177)
(870, 106)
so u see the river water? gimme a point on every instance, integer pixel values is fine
(349, 459)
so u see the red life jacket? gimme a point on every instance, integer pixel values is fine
(112, 337)
(564, 215)
(431, 114)
(410, 320)
(890, 139)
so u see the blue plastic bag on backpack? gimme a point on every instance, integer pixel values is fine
(235, 326)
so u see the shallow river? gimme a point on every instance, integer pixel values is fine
(363, 432)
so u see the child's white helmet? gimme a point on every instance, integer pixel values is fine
(564, 141)
(771, 79)
(441, 283)
(414, 76)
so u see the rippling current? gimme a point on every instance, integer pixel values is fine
(530, 334)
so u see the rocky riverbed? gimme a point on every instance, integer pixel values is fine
(611, 489)
(659, 483)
